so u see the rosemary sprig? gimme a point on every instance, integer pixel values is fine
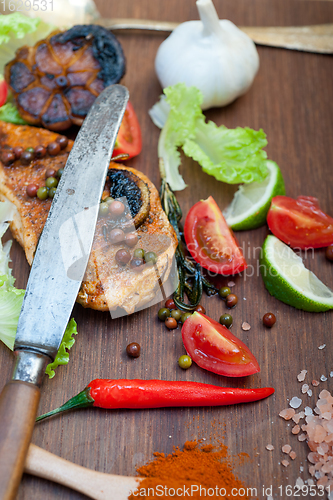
(191, 280)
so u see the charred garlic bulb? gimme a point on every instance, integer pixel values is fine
(214, 56)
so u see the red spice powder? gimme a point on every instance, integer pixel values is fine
(200, 468)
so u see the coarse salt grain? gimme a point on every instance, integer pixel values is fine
(287, 414)
(285, 463)
(231, 284)
(292, 455)
(309, 393)
(301, 376)
(286, 448)
(269, 447)
(246, 326)
(323, 378)
(308, 411)
(299, 482)
(322, 346)
(296, 429)
(315, 383)
(295, 402)
(331, 374)
(305, 388)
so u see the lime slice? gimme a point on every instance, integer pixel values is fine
(287, 279)
(251, 202)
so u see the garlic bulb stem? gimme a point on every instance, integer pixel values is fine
(210, 19)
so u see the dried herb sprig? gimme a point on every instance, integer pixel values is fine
(191, 280)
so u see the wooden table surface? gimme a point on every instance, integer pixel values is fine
(291, 99)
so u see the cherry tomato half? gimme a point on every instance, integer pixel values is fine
(213, 347)
(300, 223)
(210, 241)
(129, 139)
(3, 91)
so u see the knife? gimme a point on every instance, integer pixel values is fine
(55, 278)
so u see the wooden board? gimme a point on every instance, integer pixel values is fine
(291, 99)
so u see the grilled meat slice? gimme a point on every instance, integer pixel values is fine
(55, 82)
(106, 285)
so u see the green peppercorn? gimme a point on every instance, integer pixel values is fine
(224, 292)
(226, 320)
(108, 200)
(184, 317)
(52, 192)
(163, 314)
(139, 253)
(151, 257)
(60, 172)
(30, 150)
(103, 209)
(51, 182)
(42, 193)
(185, 362)
(176, 314)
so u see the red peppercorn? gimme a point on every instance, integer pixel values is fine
(32, 190)
(123, 256)
(329, 253)
(53, 148)
(269, 320)
(27, 157)
(170, 304)
(50, 172)
(116, 208)
(200, 309)
(133, 350)
(171, 323)
(62, 141)
(40, 152)
(7, 157)
(231, 300)
(131, 239)
(17, 152)
(116, 235)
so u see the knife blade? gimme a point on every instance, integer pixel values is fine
(55, 278)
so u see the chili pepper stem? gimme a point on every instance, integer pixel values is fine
(81, 400)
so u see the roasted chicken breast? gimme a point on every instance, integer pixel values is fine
(107, 285)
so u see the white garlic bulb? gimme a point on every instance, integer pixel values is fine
(215, 56)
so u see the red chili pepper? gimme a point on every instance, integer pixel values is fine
(139, 394)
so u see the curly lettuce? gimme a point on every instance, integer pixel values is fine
(233, 156)
(11, 299)
(9, 113)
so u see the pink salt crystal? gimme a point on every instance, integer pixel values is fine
(295, 429)
(269, 447)
(231, 284)
(312, 445)
(329, 438)
(301, 376)
(246, 326)
(324, 394)
(286, 448)
(295, 402)
(305, 388)
(315, 383)
(285, 463)
(287, 414)
(312, 470)
(322, 481)
(296, 418)
(322, 448)
(327, 415)
(320, 434)
(313, 457)
(301, 437)
(328, 467)
(292, 455)
(304, 427)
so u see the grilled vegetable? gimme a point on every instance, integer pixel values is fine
(56, 82)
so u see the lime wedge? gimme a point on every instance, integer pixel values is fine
(251, 202)
(287, 279)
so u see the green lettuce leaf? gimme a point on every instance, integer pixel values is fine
(17, 30)
(62, 356)
(11, 299)
(230, 155)
(9, 113)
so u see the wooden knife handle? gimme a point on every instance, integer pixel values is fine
(18, 409)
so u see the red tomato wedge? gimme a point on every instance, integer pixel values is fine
(210, 241)
(3, 91)
(213, 347)
(300, 223)
(129, 139)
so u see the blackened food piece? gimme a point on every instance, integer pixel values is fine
(56, 82)
(126, 184)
